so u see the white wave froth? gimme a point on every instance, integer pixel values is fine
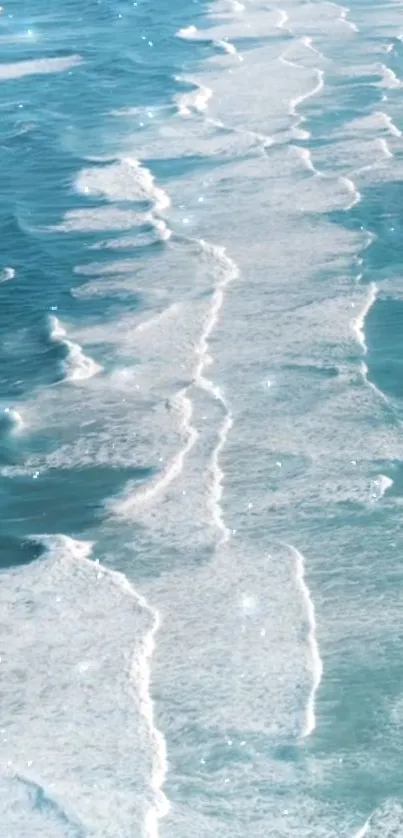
(359, 322)
(6, 274)
(389, 124)
(191, 33)
(126, 180)
(298, 132)
(315, 659)
(38, 67)
(225, 272)
(78, 366)
(344, 11)
(70, 588)
(194, 100)
(353, 191)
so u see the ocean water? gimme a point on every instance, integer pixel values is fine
(201, 419)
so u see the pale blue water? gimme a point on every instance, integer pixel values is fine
(201, 441)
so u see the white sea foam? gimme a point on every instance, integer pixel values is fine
(225, 271)
(390, 78)
(384, 146)
(194, 100)
(78, 367)
(352, 189)
(284, 18)
(359, 322)
(307, 42)
(379, 486)
(305, 156)
(191, 33)
(297, 131)
(6, 274)
(344, 11)
(70, 699)
(389, 124)
(315, 659)
(39, 66)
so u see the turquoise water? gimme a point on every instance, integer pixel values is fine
(201, 419)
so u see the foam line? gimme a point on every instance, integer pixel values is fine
(145, 325)
(80, 551)
(315, 659)
(385, 148)
(390, 78)
(390, 125)
(191, 33)
(195, 100)
(78, 367)
(307, 42)
(352, 189)
(229, 272)
(344, 11)
(359, 322)
(363, 830)
(284, 18)
(301, 133)
(38, 67)
(306, 159)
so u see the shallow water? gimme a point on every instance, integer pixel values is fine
(200, 429)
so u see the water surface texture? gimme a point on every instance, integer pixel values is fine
(201, 419)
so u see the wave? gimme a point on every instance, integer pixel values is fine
(298, 132)
(38, 66)
(384, 147)
(284, 18)
(194, 100)
(77, 366)
(316, 661)
(191, 33)
(6, 274)
(389, 124)
(359, 322)
(344, 11)
(390, 78)
(352, 189)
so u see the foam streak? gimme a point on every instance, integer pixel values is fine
(315, 659)
(78, 366)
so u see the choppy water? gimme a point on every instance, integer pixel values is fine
(201, 421)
